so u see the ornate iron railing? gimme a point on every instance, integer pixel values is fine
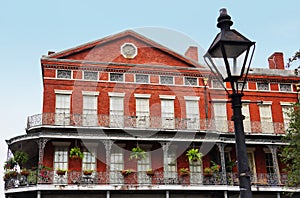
(148, 122)
(135, 178)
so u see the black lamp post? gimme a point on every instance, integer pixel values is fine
(227, 57)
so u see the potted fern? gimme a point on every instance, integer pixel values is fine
(194, 155)
(137, 153)
(21, 158)
(61, 171)
(75, 153)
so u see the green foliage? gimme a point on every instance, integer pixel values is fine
(229, 165)
(290, 153)
(21, 158)
(76, 153)
(10, 164)
(137, 153)
(194, 155)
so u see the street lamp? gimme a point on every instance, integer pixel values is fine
(228, 58)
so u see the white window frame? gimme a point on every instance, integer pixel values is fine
(160, 80)
(123, 77)
(251, 161)
(213, 81)
(188, 84)
(291, 88)
(63, 113)
(142, 166)
(90, 115)
(89, 160)
(97, 77)
(56, 73)
(286, 118)
(142, 82)
(142, 115)
(167, 121)
(266, 122)
(192, 114)
(220, 121)
(116, 112)
(116, 164)
(246, 113)
(263, 83)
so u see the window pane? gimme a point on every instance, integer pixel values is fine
(116, 77)
(90, 75)
(263, 86)
(285, 87)
(64, 74)
(190, 81)
(166, 80)
(140, 78)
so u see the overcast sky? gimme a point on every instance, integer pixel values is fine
(29, 29)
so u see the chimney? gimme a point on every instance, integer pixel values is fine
(50, 52)
(276, 61)
(192, 53)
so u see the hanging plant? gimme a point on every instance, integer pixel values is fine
(150, 172)
(184, 172)
(21, 158)
(75, 153)
(194, 155)
(127, 172)
(10, 164)
(137, 153)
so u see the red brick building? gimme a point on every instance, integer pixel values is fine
(126, 91)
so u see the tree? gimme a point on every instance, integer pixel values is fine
(291, 153)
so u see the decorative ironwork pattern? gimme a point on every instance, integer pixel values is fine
(120, 121)
(158, 178)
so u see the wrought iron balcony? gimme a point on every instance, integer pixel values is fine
(148, 122)
(134, 178)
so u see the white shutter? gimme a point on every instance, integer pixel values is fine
(286, 118)
(142, 166)
(116, 111)
(62, 109)
(266, 118)
(167, 113)
(247, 121)
(220, 115)
(142, 112)
(192, 114)
(90, 110)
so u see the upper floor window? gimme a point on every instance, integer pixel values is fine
(90, 75)
(216, 84)
(190, 81)
(141, 78)
(166, 80)
(263, 86)
(240, 85)
(119, 77)
(60, 73)
(285, 87)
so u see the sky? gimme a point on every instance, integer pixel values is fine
(29, 29)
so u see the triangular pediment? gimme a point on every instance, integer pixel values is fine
(111, 50)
